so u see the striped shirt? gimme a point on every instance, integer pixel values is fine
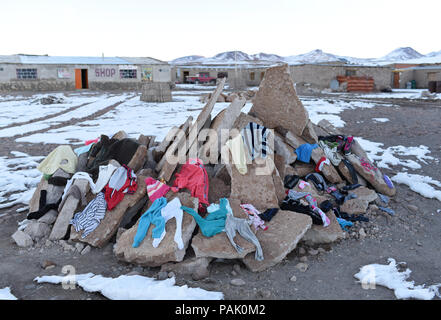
(89, 219)
(255, 139)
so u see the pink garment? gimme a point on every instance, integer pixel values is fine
(155, 189)
(91, 141)
(303, 184)
(253, 215)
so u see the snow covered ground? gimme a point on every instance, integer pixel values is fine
(399, 94)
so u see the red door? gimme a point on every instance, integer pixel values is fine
(396, 80)
(78, 82)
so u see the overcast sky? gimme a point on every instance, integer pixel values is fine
(168, 29)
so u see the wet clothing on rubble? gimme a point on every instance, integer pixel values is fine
(155, 188)
(171, 210)
(295, 205)
(62, 157)
(238, 153)
(343, 143)
(151, 216)
(254, 216)
(122, 181)
(43, 207)
(255, 138)
(233, 225)
(318, 181)
(304, 152)
(214, 222)
(89, 219)
(193, 177)
(107, 149)
(268, 214)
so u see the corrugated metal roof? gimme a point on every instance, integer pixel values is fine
(144, 60)
(10, 59)
(71, 60)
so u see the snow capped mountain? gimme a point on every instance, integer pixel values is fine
(314, 56)
(267, 57)
(232, 56)
(403, 53)
(187, 59)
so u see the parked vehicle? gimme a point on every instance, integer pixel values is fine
(201, 78)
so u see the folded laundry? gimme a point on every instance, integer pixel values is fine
(61, 157)
(151, 216)
(89, 219)
(304, 152)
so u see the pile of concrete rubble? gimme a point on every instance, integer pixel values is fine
(275, 106)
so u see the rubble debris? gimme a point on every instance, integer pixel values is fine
(273, 169)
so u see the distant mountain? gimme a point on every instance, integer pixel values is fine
(232, 56)
(403, 53)
(314, 56)
(187, 59)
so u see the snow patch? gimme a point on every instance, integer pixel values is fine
(5, 294)
(420, 184)
(380, 119)
(18, 178)
(134, 287)
(389, 277)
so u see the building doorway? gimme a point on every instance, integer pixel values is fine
(81, 79)
(185, 74)
(396, 80)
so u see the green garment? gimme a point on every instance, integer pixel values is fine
(214, 223)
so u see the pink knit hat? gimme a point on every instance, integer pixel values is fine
(155, 189)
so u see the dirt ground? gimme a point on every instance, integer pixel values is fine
(410, 236)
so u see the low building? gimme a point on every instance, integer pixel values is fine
(54, 73)
(420, 74)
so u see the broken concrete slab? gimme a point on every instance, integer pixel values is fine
(303, 169)
(354, 206)
(22, 239)
(109, 224)
(219, 246)
(37, 230)
(364, 193)
(120, 135)
(138, 158)
(222, 122)
(243, 119)
(373, 176)
(66, 213)
(50, 217)
(320, 235)
(256, 186)
(167, 251)
(34, 203)
(284, 231)
(276, 103)
(309, 133)
(283, 149)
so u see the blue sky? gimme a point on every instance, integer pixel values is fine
(167, 29)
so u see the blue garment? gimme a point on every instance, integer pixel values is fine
(304, 152)
(344, 223)
(214, 223)
(383, 198)
(152, 215)
(83, 149)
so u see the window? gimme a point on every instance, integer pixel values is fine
(1, 69)
(251, 75)
(26, 73)
(350, 73)
(204, 74)
(262, 74)
(128, 74)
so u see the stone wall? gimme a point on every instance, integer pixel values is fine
(156, 92)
